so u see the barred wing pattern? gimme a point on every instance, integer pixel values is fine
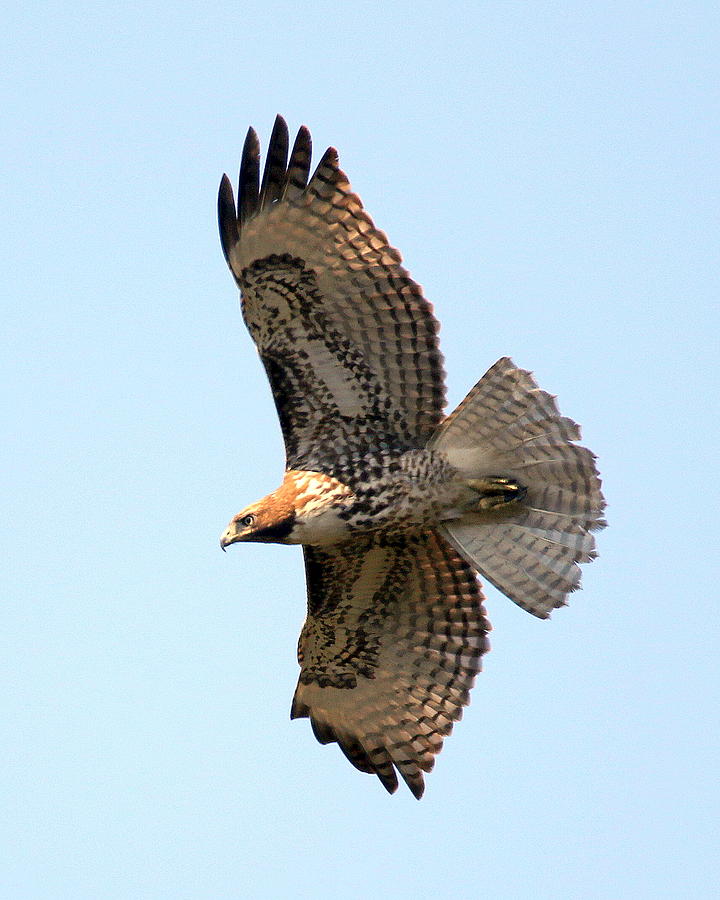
(347, 339)
(390, 649)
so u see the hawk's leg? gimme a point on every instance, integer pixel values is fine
(496, 492)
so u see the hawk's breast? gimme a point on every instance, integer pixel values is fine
(319, 501)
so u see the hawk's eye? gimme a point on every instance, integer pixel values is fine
(247, 520)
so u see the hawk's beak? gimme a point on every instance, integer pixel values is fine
(230, 536)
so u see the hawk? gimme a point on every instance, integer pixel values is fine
(396, 506)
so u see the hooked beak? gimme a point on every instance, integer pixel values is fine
(229, 536)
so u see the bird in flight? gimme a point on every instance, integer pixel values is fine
(397, 506)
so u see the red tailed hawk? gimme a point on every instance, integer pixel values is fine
(396, 506)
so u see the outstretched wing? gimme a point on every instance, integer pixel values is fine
(347, 339)
(390, 649)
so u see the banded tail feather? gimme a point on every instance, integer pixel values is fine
(507, 426)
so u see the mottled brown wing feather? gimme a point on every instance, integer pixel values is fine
(348, 341)
(390, 649)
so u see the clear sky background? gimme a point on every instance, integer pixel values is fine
(549, 172)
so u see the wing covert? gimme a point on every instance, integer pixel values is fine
(334, 314)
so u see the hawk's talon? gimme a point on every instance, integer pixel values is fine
(497, 491)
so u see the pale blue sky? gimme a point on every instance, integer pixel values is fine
(549, 172)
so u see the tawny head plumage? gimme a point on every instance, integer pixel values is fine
(303, 509)
(269, 521)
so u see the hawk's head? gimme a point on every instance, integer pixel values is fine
(305, 509)
(270, 521)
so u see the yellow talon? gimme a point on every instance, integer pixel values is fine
(496, 491)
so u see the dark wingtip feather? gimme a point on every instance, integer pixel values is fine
(329, 160)
(299, 710)
(227, 217)
(412, 776)
(388, 781)
(278, 175)
(275, 174)
(324, 179)
(416, 785)
(299, 165)
(249, 177)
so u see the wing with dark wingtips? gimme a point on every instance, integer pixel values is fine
(347, 339)
(390, 649)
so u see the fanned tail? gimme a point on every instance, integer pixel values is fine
(529, 549)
